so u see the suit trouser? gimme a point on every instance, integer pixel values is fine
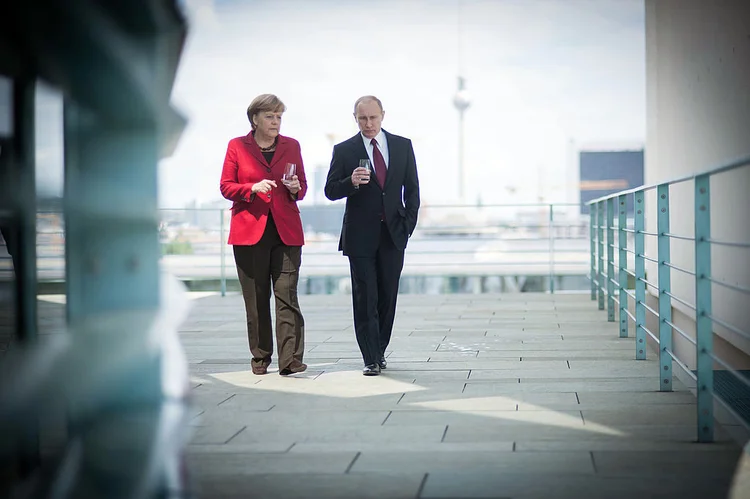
(374, 292)
(268, 262)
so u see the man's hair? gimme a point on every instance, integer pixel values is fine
(367, 98)
(263, 104)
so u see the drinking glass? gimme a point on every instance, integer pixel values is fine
(365, 163)
(289, 171)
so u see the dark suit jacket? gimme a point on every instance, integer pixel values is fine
(399, 198)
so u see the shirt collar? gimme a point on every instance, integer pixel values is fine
(380, 137)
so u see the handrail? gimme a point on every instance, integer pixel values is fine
(634, 283)
(548, 244)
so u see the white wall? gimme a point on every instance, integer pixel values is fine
(698, 117)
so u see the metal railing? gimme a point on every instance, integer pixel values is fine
(455, 248)
(611, 275)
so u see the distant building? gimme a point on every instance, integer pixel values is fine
(604, 172)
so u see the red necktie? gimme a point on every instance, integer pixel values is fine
(380, 169)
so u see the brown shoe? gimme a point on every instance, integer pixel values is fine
(295, 367)
(259, 370)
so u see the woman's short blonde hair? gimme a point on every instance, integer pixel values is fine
(263, 104)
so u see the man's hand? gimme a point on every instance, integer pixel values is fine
(264, 186)
(360, 176)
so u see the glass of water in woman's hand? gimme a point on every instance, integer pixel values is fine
(289, 171)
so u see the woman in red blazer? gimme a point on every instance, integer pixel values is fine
(266, 233)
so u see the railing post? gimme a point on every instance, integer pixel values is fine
(223, 246)
(703, 323)
(623, 263)
(551, 250)
(640, 276)
(665, 286)
(592, 248)
(610, 260)
(600, 256)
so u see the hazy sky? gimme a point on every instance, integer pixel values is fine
(540, 73)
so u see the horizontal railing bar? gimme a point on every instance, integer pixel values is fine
(649, 309)
(730, 286)
(629, 293)
(629, 272)
(681, 364)
(730, 369)
(648, 259)
(731, 327)
(680, 300)
(676, 236)
(629, 251)
(632, 231)
(728, 243)
(726, 167)
(680, 331)
(731, 410)
(647, 233)
(627, 312)
(679, 269)
(652, 286)
(650, 333)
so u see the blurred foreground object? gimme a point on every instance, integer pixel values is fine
(118, 369)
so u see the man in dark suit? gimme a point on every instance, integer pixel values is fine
(381, 214)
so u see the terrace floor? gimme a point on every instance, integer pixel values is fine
(506, 396)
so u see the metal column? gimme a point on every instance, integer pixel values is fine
(640, 276)
(622, 221)
(665, 287)
(703, 305)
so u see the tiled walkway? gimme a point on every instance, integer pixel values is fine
(518, 396)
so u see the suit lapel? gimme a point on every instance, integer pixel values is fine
(360, 152)
(394, 158)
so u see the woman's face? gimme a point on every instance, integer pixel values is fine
(268, 123)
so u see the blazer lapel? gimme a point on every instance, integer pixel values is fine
(281, 147)
(252, 146)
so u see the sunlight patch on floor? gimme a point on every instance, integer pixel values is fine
(533, 414)
(341, 384)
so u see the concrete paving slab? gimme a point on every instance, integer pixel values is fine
(489, 462)
(531, 485)
(485, 396)
(295, 485)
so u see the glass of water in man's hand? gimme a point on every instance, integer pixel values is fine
(365, 163)
(289, 171)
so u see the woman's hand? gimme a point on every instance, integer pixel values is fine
(264, 186)
(293, 185)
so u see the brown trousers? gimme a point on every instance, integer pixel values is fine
(271, 262)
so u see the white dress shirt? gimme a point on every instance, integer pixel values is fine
(382, 145)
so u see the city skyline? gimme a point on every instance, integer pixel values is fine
(545, 77)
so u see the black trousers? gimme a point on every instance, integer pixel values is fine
(374, 291)
(269, 263)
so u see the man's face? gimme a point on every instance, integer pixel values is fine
(369, 118)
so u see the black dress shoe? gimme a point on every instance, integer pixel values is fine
(382, 363)
(371, 370)
(295, 367)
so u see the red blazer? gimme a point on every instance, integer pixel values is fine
(244, 166)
